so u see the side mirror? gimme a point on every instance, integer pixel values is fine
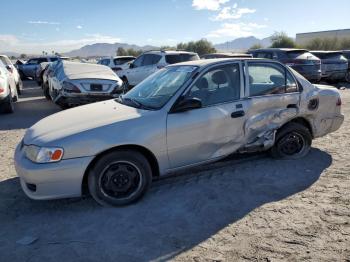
(132, 65)
(187, 104)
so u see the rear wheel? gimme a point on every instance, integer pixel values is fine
(8, 106)
(46, 91)
(293, 141)
(119, 178)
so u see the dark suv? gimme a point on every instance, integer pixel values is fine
(300, 60)
(334, 64)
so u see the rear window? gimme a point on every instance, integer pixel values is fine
(178, 58)
(295, 54)
(329, 55)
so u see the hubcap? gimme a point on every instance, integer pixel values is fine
(291, 144)
(120, 180)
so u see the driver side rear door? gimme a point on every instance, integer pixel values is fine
(215, 129)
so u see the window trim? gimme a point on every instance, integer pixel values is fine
(213, 67)
(246, 70)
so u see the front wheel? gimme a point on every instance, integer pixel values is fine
(293, 141)
(119, 178)
(8, 106)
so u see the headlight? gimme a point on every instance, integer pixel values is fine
(43, 154)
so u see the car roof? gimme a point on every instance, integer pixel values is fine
(280, 49)
(207, 62)
(228, 54)
(168, 52)
(326, 52)
(123, 56)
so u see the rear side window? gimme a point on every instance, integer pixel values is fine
(298, 54)
(151, 59)
(120, 61)
(270, 79)
(33, 62)
(5, 61)
(178, 58)
(42, 60)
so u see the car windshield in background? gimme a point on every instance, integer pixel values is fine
(178, 58)
(155, 91)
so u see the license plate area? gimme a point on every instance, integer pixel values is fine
(96, 87)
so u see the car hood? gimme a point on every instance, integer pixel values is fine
(79, 119)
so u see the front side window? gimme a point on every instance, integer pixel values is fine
(151, 59)
(156, 90)
(138, 61)
(219, 85)
(269, 79)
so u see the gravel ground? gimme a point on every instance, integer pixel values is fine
(245, 208)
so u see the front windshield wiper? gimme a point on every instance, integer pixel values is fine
(135, 103)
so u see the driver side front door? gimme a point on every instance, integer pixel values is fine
(215, 129)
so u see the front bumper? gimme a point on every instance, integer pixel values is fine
(53, 180)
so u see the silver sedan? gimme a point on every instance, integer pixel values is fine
(184, 115)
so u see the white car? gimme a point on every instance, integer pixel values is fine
(150, 62)
(8, 90)
(117, 63)
(13, 70)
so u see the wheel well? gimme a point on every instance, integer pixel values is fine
(304, 122)
(147, 153)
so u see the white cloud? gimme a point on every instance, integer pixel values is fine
(232, 13)
(235, 30)
(43, 23)
(79, 27)
(212, 5)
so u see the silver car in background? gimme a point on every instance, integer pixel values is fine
(334, 65)
(75, 83)
(8, 90)
(183, 115)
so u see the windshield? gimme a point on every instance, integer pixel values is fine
(156, 90)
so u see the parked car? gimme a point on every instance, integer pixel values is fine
(29, 68)
(8, 90)
(150, 62)
(225, 55)
(74, 83)
(13, 70)
(346, 54)
(300, 60)
(334, 65)
(183, 115)
(117, 63)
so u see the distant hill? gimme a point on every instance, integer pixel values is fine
(242, 44)
(103, 49)
(9, 54)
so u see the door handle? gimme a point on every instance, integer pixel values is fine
(292, 106)
(238, 114)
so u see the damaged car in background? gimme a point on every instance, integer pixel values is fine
(183, 115)
(74, 83)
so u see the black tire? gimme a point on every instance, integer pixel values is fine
(46, 91)
(347, 77)
(19, 87)
(131, 174)
(63, 105)
(293, 141)
(125, 86)
(8, 107)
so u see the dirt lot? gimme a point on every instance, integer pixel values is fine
(249, 208)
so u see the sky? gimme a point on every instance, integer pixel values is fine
(63, 25)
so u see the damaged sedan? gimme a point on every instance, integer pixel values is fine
(74, 83)
(183, 115)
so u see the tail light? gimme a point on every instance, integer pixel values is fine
(339, 102)
(2, 90)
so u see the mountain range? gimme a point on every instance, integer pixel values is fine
(104, 49)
